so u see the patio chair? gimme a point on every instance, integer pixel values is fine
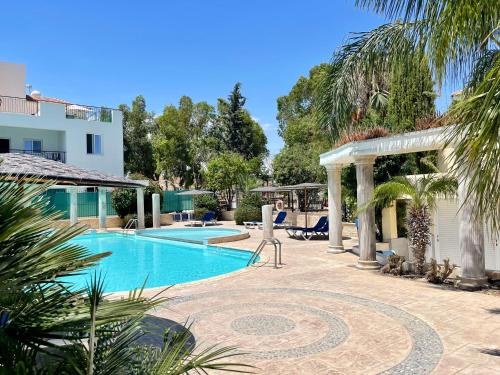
(309, 233)
(207, 218)
(295, 231)
(279, 222)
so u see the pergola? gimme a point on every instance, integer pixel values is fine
(363, 155)
(40, 170)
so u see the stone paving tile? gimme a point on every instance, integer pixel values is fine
(382, 315)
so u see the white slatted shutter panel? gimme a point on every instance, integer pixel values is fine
(447, 231)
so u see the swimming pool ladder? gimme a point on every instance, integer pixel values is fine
(129, 224)
(277, 251)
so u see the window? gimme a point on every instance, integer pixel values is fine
(94, 143)
(32, 146)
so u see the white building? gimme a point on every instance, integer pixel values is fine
(82, 135)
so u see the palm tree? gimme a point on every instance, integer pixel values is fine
(421, 193)
(49, 326)
(459, 40)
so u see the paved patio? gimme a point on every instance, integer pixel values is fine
(318, 314)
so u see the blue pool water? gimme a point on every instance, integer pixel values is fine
(191, 234)
(163, 262)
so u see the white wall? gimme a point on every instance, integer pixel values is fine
(445, 237)
(12, 79)
(52, 116)
(52, 140)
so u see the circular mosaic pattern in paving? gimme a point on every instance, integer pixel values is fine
(336, 333)
(263, 325)
(423, 356)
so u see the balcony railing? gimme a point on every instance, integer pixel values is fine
(88, 113)
(51, 155)
(9, 104)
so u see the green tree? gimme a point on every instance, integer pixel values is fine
(411, 95)
(297, 164)
(137, 126)
(180, 143)
(235, 130)
(224, 173)
(422, 194)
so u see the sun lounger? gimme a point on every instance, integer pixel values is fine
(309, 233)
(279, 222)
(295, 232)
(208, 218)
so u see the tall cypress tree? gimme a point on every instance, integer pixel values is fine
(411, 95)
(238, 127)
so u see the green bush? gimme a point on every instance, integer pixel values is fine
(247, 213)
(208, 202)
(250, 209)
(124, 201)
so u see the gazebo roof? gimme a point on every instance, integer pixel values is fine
(405, 143)
(39, 168)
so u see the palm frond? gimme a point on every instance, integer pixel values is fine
(476, 139)
(377, 50)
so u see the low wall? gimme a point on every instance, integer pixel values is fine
(112, 221)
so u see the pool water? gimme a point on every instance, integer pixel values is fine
(196, 235)
(162, 262)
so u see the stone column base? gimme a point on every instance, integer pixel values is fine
(332, 249)
(368, 265)
(471, 284)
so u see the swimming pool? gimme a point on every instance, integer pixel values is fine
(162, 262)
(202, 235)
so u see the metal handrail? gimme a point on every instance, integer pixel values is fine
(50, 155)
(277, 251)
(88, 113)
(12, 104)
(129, 224)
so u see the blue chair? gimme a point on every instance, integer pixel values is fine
(295, 231)
(309, 233)
(207, 218)
(280, 219)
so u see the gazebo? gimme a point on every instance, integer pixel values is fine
(363, 155)
(39, 169)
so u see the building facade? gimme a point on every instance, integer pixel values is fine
(85, 136)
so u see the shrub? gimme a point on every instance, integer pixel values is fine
(250, 209)
(247, 213)
(148, 220)
(207, 202)
(124, 202)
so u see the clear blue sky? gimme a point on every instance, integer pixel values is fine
(107, 52)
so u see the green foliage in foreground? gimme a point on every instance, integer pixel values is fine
(47, 326)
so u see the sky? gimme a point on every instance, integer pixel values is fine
(105, 53)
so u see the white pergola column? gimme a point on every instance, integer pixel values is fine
(389, 222)
(102, 207)
(140, 207)
(334, 173)
(156, 210)
(73, 205)
(367, 241)
(471, 241)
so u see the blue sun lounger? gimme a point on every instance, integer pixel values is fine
(295, 232)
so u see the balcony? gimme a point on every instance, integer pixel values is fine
(9, 104)
(33, 107)
(51, 155)
(88, 113)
